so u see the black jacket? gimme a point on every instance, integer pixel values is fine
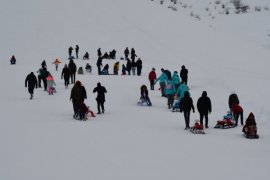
(31, 81)
(72, 67)
(100, 93)
(233, 99)
(204, 104)
(186, 104)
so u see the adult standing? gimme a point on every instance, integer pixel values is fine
(204, 107)
(44, 74)
(99, 64)
(66, 75)
(184, 74)
(233, 100)
(70, 49)
(78, 94)
(99, 52)
(101, 90)
(126, 52)
(152, 77)
(73, 69)
(176, 79)
(169, 92)
(186, 104)
(133, 67)
(31, 82)
(77, 51)
(139, 66)
(128, 66)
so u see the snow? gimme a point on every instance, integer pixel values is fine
(39, 139)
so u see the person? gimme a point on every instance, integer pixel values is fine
(77, 51)
(139, 66)
(99, 52)
(86, 56)
(105, 55)
(186, 104)
(144, 96)
(162, 82)
(176, 79)
(44, 74)
(101, 90)
(73, 69)
(123, 69)
(233, 99)
(238, 111)
(105, 70)
(132, 54)
(70, 49)
(39, 77)
(169, 92)
(250, 124)
(99, 64)
(133, 67)
(128, 66)
(88, 68)
(204, 107)
(181, 90)
(13, 60)
(112, 54)
(56, 62)
(152, 77)
(31, 83)
(77, 95)
(66, 75)
(43, 64)
(116, 68)
(184, 74)
(126, 52)
(51, 83)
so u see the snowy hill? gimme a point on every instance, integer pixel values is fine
(39, 138)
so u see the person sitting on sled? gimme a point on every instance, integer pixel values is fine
(84, 110)
(250, 126)
(144, 96)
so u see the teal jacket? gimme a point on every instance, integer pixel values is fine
(175, 78)
(170, 87)
(162, 78)
(181, 90)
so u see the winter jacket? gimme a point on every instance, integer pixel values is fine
(204, 104)
(50, 81)
(176, 78)
(181, 90)
(170, 87)
(152, 76)
(72, 67)
(236, 108)
(65, 72)
(186, 104)
(162, 78)
(31, 81)
(101, 90)
(184, 73)
(78, 92)
(144, 92)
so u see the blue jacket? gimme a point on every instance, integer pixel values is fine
(181, 90)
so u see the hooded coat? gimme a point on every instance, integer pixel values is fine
(186, 104)
(204, 104)
(100, 92)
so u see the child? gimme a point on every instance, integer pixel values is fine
(250, 127)
(84, 110)
(56, 62)
(50, 83)
(144, 96)
(13, 60)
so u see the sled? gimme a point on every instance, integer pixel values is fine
(197, 128)
(226, 123)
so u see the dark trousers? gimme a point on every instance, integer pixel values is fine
(31, 90)
(66, 79)
(99, 70)
(72, 77)
(44, 83)
(152, 84)
(39, 81)
(204, 115)
(187, 118)
(236, 116)
(100, 104)
(76, 107)
(162, 88)
(170, 100)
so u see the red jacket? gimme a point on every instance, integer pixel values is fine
(237, 109)
(152, 76)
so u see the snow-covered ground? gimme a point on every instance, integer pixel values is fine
(39, 139)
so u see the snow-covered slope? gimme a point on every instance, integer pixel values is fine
(39, 138)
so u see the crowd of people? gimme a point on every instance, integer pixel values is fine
(171, 85)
